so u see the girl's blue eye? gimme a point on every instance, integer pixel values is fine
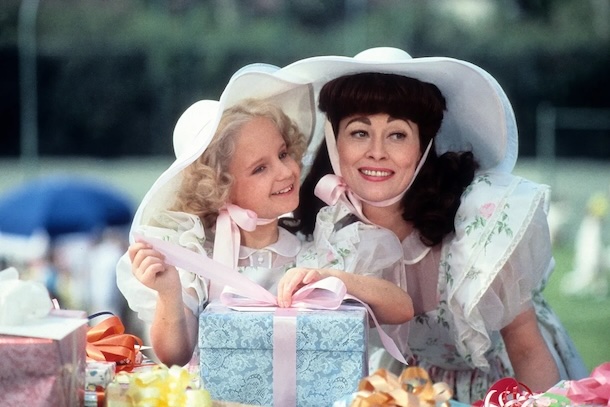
(283, 155)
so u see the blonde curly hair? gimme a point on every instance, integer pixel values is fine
(206, 183)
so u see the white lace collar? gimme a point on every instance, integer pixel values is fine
(286, 247)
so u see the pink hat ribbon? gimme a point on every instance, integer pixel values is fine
(227, 238)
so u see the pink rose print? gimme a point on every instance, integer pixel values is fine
(487, 210)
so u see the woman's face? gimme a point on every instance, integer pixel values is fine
(265, 177)
(378, 154)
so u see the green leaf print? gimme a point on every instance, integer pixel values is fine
(440, 317)
(445, 268)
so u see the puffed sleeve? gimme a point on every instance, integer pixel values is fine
(498, 257)
(353, 246)
(342, 242)
(183, 229)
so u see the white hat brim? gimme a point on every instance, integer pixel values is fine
(479, 116)
(196, 127)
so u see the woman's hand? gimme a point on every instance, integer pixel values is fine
(149, 267)
(294, 279)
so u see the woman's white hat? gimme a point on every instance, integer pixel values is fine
(479, 116)
(197, 125)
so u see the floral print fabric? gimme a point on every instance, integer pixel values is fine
(494, 267)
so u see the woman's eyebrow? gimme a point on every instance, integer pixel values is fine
(362, 119)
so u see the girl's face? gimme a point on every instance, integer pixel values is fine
(378, 154)
(266, 177)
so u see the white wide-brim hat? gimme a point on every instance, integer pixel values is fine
(479, 116)
(197, 125)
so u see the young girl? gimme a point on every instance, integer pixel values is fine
(251, 163)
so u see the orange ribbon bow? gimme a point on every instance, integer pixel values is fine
(412, 389)
(107, 341)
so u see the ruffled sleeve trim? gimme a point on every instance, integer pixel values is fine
(493, 220)
(185, 230)
(353, 247)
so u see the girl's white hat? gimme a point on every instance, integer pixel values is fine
(479, 117)
(197, 125)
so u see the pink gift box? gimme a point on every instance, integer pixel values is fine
(592, 391)
(40, 372)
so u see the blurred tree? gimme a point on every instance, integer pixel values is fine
(114, 76)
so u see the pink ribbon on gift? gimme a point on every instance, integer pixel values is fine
(594, 389)
(241, 293)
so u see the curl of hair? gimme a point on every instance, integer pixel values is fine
(434, 197)
(206, 183)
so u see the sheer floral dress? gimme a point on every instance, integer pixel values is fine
(478, 280)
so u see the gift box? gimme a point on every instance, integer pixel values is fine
(592, 391)
(157, 385)
(98, 373)
(237, 356)
(39, 371)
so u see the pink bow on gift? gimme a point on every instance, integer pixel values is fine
(240, 291)
(594, 389)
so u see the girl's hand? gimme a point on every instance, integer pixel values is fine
(294, 279)
(149, 267)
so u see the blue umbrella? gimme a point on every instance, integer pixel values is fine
(62, 204)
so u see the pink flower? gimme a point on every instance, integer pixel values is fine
(487, 210)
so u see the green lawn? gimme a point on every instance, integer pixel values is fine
(586, 318)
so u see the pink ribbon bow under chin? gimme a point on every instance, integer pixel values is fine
(227, 237)
(226, 243)
(594, 389)
(332, 189)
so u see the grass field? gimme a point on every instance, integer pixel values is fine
(586, 318)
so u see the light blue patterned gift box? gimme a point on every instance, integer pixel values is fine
(236, 355)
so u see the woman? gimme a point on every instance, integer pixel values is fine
(424, 147)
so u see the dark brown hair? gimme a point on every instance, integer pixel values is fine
(432, 201)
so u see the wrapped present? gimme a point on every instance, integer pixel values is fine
(98, 375)
(242, 360)
(157, 386)
(592, 391)
(283, 357)
(413, 388)
(42, 350)
(108, 342)
(42, 371)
